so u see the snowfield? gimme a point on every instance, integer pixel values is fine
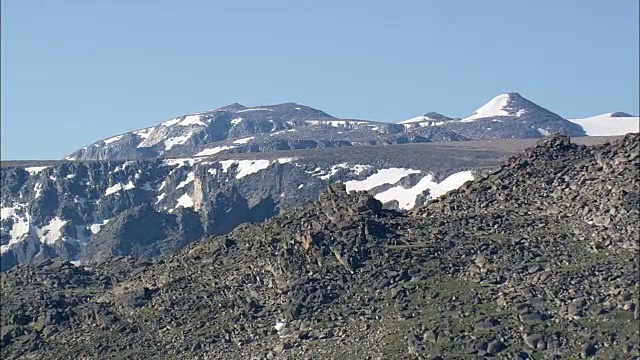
(607, 125)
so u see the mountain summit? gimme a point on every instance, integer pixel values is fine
(506, 116)
(510, 104)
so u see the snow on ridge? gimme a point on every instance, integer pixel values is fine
(254, 109)
(406, 198)
(32, 170)
(171, 122)
(244, 140)
(381, 177)
(112, 139)
(497, 106)
(607, 125)
(192, 120)
(214, 150)
(336, 123)
(421, 118)
(144, 133)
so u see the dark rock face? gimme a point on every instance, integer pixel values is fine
(87, 211)
(539, 256)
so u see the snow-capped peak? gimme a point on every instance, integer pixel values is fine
(507, 104)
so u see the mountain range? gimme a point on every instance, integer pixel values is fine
(239, 129)
(204, 174)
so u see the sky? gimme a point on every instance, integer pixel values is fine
(76, 71)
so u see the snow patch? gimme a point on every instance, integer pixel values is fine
(244, 140)
(543, 132)
(6, 212)
(52, 232)
(213, 151)
(285, 160)
(381, 177)
(95, 228)
(117, 187)
(184, 201)
(35, 169)
(245, 167)
(406, 198)
(334, 170)
(20, 229)
(181, 161)
(38, 189)
(169, 143)
(254, 109)
(190, 178)
(236, 121)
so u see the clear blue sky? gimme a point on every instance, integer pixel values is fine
(76, 71)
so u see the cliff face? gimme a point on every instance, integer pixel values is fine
(84, 211)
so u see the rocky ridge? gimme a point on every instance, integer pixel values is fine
(537, 259)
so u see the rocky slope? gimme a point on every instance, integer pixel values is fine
(239, 129)
(537, 259)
